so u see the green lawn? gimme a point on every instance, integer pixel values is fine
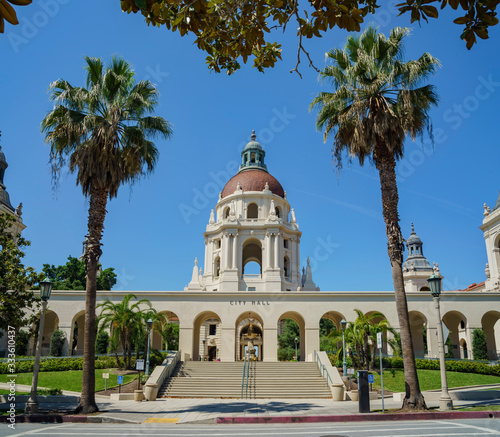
(68, 380)
(431, 380)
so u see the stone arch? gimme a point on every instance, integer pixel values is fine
(299, 319)
(335, 317)
(50, 324)
(216, 269)
(75, 341)
(242, 325)
(463, 349)
(157, 341)
(418, 327)
(252, 211)
(425, 288)
(491, 329)
(203, 336)
(252, 252)
(287, 266)
(456, 322)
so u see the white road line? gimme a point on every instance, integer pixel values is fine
(463, 425)
(35, 431)
(153, 431)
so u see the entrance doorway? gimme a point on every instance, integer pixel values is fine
(212, 353)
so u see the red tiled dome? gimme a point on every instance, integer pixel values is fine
(253, 180)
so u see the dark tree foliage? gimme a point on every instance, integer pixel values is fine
(71, 276)
(479, 347)
(231, 31)
(286, 341)
(57, 343)
(102, 342)
(18, 304)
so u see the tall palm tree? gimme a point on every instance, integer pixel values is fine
(104, 132)
(125, 320)
(377, 102)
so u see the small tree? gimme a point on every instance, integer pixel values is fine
(57, 343)
(22, 341)
(449, 343)
(479, 347)
(101, 343)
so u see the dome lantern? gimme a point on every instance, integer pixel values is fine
(252, 156)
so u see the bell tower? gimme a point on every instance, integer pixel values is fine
(252, 239)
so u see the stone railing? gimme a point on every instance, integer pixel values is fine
(160, 373)
(331, 375)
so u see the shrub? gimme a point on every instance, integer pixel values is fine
(479, 347)
(22, 340)
(57, 343)
(101, 342)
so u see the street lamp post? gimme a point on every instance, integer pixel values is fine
(203, 358)
(445, 402)
(149, 323)
(32, 403)
(343, 325)
(296, 340)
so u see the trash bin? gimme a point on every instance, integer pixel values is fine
(364, 391)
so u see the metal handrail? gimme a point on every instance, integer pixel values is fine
(248, 377)
(322, 369)
(243, 376)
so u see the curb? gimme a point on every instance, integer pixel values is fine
(71, 418)
(450, 415)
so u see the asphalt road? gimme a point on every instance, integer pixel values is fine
(441, 428)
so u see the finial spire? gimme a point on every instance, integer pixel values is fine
(412, 229)
(253, 137)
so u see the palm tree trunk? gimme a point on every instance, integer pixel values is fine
(97, 214)
(386, 166)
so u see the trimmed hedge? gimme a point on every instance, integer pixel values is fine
(452, 366)
(68, 363)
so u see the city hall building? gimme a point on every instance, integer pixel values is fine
(253, 224)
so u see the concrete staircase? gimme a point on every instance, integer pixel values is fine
(208, 379)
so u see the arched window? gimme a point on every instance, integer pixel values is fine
(462, 324)
(286, 267)
(217, 267)
(252, 211)
(425, 288)
(226, 212)
(277, 211)
(252, 255)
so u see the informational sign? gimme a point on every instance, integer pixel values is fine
(139, 365)
(350, 371)
(370, 379)
(120, 379)
(105, 375)
(379, 340)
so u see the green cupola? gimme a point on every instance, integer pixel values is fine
(252, 156)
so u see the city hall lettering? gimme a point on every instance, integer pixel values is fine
(252, 302)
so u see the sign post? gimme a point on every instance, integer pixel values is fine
(370, 381)
(350, 372)
(120, 382)
(139, 365)
(106, 377)
(379, 345)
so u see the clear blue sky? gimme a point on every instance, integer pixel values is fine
(147, 238)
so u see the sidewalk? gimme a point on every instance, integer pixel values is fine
(188, 410)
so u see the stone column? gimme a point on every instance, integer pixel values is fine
(186, 342)
(276, 253)
(68, 331)
(227, 352)
(432, 340)
(268, 251)
(310, 343)
(270, 346)
(225, 245)
(235, 252)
